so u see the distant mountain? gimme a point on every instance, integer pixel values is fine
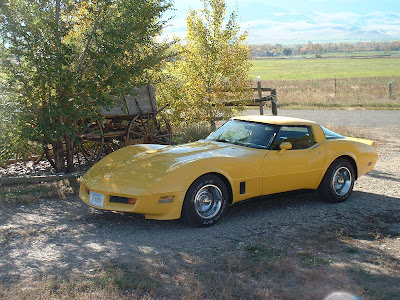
(368, 35)
(324, 27)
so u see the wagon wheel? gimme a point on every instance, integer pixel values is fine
(149, 129)
(111, 144)
(114, 134)
(91, 141)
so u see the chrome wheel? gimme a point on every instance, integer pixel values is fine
(342, 181)
(205, 201)
(208, 201)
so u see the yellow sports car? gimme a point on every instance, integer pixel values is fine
(249, 156)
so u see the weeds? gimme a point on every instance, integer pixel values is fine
(376, 286)
(112, 282)
(351, 250)
(30, 193)
(310, 261)
(260, 272)
(258, 253)
(122, 279)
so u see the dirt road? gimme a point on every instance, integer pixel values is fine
(349, 118)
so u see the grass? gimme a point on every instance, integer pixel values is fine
(310, 261)
(109, 282)
(362, 92)
(323, 264)
(258, 253)
(31, 193)
(309, 69)
(121, 278)
(311, 83)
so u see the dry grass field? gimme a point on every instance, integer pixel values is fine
(351, 93)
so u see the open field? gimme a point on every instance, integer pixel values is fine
(52, 246)
(301, 69)
(310, 83)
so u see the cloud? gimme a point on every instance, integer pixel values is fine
(331, 17)
(289, 28)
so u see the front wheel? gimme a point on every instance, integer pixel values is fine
(338, 182)
(205, 201)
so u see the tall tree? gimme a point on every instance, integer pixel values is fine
(64, 58)
(213, 66)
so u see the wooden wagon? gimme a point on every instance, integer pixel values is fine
(135, 119)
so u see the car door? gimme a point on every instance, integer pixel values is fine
(297, 168)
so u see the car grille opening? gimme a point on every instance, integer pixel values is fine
(124, 200)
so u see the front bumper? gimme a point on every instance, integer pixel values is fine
(153, 206)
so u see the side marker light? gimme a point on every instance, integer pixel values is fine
(132, 200)
(166, 199)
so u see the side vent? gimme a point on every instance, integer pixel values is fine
(243, 187)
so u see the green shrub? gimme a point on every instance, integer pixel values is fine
(192, 132)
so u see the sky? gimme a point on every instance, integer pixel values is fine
(290, 21)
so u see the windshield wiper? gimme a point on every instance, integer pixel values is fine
(233, 142)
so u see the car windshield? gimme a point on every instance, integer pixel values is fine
(329, 134)
(248, 134)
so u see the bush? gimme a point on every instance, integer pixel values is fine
(192, 132)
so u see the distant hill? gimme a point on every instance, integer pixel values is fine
(323, 28)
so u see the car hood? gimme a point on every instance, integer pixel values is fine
(141, 166)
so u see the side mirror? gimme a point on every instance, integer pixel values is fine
(285, 146)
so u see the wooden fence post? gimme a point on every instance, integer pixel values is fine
(390, 89)
(335, 85)
(274, 105)
(260, 95)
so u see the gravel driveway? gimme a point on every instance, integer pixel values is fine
(57, 236)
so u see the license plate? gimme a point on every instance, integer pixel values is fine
(96, 199)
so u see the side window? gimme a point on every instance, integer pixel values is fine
(301, 137)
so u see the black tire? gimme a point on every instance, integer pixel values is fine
(338, 182)
(205, 201)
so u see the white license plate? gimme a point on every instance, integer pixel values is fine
(96, 199)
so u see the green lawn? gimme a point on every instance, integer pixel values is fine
(303, 69)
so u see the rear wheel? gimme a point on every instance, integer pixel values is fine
(205, 201)
(149, 129)
(338, 182)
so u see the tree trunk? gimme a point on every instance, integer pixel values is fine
(58, 151)
(58, 145)
(61, 156)
(212, 124)
(211, 118)
(69, 153)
